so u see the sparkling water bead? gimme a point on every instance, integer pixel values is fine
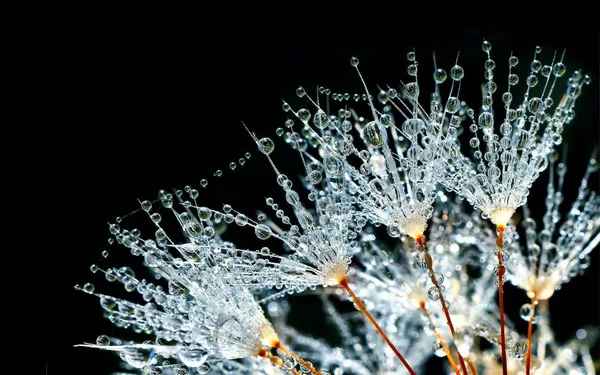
(532, 80)
(241, 220)
(486, 46)
(266, 145)
(300, 92)
(536, 65)
(304, 115)
(433, 293)
(486, 120)
(372, 135)
(474, 142)
(146, 205)
(546, 71)
(526, 311)
(559, 69)
(457, 73)
(412, 70)
(103, 340)
(440, 76)
(88, 288)
(489, 64)
(262, 231)
(354, 61)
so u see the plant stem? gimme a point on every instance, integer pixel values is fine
(360, 305)
(422, 243)
(530, 338)
(501, 271)
(439, 337)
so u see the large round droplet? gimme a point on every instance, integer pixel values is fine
(262, 231)
(266, 145)
(526, 312)
(372, 135)
(457, 73)
(103, 340)
(440, 76)
(486, 120)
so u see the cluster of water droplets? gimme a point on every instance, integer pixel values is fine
(368, 161)
(561, 248)
(509, 154)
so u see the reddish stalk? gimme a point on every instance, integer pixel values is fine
(501, 271)
(360, 305)
(421, 242)
(530, 338)
(439, 337)
(472, 367)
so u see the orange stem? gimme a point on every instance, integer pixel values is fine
(472, 367)
(530, 339)
(445, 347)
(421, 241)
(501, 270)
(360, 305)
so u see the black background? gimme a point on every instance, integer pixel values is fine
(142, 108)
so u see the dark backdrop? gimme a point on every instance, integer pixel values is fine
(142, 110)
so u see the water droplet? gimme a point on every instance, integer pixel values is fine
(241, 220)
(526, 312)
(262, 231)
(103, 340)
(156, 218)
(440, 76)
(88, 288)
(486, 46)
(433, 294)
(372, 135)
(266, 145)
